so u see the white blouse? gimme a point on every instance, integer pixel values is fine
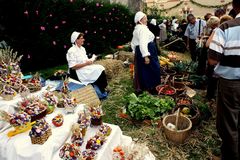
(141, 37)
(87, 74)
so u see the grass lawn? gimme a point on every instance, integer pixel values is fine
(202, 143)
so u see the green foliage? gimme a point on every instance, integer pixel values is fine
(185, 66)
(146, 106)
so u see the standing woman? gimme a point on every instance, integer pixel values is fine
(81, 67)
(147, 67)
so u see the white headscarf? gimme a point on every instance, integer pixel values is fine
(74, 36)
(164, 21)
(138, 16)
(154, 22)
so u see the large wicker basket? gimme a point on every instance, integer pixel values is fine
(184, 127)
(42, 139)
(86, 95)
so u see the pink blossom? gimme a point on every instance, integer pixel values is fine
(95, 32)
(26, 12)
(63, 22)
(42, 28)
(103, 37)
(36, 12)
(116, 30)
(101, 5)
(56, 27)
(71, 1)
(88, 44)
(86, 31)
(97, 4)
(94, 17)
(84, 9)
(109, 30)
(110, 13)
(50, 15)
(28, 56)
(64, 46)
(54, 43)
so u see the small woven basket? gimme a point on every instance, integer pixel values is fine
(184, 127)
(34, 88)
(7, 97)
(39, 116)
(42, 139)
(96, 121)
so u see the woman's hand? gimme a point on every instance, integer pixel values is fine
(147, 60)
(89, 62)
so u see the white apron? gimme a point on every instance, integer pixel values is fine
(87, 74)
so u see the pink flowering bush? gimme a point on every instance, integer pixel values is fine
(41, 29)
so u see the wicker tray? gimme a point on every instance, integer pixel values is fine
(86, 95)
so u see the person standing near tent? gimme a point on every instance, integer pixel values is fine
(81, 67)
(147, 67)
(224, 51)
(163, 31)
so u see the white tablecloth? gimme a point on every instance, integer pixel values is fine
(19, 147)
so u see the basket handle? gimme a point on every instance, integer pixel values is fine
(166, 79)
(177, 117)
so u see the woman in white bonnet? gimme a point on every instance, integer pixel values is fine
(81, 67)
(147, 67)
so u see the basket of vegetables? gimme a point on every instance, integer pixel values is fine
(189, 111)
(166, 90)
(180, 87)
(183, 100)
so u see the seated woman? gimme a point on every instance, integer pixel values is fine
(81, 67)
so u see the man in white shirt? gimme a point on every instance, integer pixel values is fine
(194, 30)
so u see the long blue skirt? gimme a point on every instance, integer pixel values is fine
(146, 76)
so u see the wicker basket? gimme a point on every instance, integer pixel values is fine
(184, 127)
(180, 87)
(42, 139)
(86, 95)
(7, 97)
(96, 121)
(34, 88)
(83, 131)
(39, 116)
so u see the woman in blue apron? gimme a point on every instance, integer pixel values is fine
(147, 67)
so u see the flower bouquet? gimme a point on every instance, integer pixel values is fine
(96, 115)
(70, 152)
(40, 132)
(84, 121)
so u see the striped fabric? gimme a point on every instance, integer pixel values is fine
(225, 48)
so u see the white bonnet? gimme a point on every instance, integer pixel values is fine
(138, 16)
(154, 22)
(74, 36)
(164, 21)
